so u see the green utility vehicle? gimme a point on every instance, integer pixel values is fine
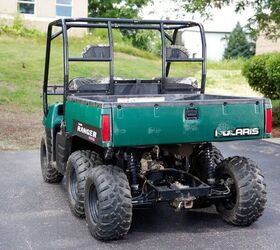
(131, 143)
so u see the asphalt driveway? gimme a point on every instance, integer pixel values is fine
(35, 215)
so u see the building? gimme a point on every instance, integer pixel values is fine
(264, 45)
(38, 13)
(222, 23)
(215, 41)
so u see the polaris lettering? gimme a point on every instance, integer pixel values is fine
(237, 132)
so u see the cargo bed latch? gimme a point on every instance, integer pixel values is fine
(191, 114)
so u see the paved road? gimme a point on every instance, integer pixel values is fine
(35, 215)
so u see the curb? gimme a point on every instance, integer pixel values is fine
(273, 140)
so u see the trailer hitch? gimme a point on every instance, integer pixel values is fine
(180, 203)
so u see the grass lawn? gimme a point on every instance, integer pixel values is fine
(21, 77)
(22, 66)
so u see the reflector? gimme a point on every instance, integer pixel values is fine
(106, 128)
(268, 121)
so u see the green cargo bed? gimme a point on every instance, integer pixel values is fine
(168, 119)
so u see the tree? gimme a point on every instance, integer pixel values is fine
(266, 18)
(123, 9)
(238, 45)
(115, 8)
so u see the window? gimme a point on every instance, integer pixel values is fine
(64, 8)
(26, 6)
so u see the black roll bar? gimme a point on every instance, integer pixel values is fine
(110, 23)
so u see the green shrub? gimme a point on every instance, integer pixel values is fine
(101, 35)
(260, 72)
(276, 113)
(273, 69)
(18, 29)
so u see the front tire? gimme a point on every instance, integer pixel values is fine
(108, 203)
(49, 173)
(248, 191)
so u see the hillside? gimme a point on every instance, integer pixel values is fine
(22, 64)
(21, 76)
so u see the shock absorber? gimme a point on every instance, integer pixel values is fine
(209, 163)
(133, 171)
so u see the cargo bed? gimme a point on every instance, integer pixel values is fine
(169, 118)
(163, 99)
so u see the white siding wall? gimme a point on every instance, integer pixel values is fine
(45, 12)
(214, 42)
(215, 45)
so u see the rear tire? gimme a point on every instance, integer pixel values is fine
(76, 172)
(108, 203)
(198, 168)
(248, 198)
(197, 160)
(49, 173)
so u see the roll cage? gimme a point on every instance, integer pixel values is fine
(111, 23)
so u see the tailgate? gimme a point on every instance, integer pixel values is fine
(187, 124)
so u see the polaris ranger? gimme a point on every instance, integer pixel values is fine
(132, 143)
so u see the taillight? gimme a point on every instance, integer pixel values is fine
(268, 121)
(106, 128)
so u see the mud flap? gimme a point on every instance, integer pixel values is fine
(63, 150)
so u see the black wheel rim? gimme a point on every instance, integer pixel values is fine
(74, 184)
(230, 202)
(93, 203)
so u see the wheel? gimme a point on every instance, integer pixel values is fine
(49, 173)
(93, 156)
(198, 168)
(197, 160)
(248, 191)
(76, 172)
(108, 202)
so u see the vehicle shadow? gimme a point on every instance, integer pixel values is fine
(148, 224)
(163, 218)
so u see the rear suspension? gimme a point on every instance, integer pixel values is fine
(131, 163)
(210, 165)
